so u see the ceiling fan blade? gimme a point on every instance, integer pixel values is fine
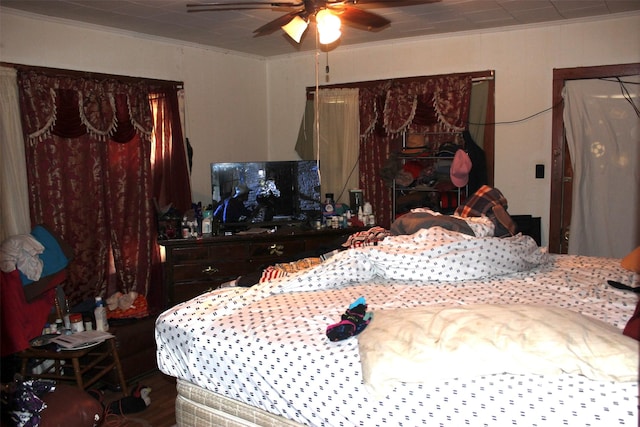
(271, 26)
(212, 7)
(386, 3)
(362, 18)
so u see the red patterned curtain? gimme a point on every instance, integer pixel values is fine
(170, 177)
(89, 172)
(387, 109)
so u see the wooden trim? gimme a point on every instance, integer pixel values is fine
(490, 133)
(560, 76)
(59, 72)
(597, 72)
(476, 74)
(557, 162)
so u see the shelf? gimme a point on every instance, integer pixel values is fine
(426, 188)
(405, 198)
(418, 156)
(428, 164)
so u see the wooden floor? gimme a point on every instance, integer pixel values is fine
(160, 413)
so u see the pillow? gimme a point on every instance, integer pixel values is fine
(632, 260)
(53, 257)
(422, 344)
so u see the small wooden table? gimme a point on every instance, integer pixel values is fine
(93, 362)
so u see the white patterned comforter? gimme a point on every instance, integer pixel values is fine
(266, 345)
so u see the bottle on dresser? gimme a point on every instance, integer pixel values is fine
(328, 209)
(100, 313)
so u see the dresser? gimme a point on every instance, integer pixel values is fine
(194, 266)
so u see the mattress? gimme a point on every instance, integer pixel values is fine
(265, 347)
(198, 407)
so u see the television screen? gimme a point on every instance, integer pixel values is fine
(271, 192)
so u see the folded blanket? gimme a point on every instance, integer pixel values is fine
(490, 202)
(21, 251)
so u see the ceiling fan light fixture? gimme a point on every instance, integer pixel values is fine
(296, 28)
(328, 26)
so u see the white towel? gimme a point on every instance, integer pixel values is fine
(21, 251)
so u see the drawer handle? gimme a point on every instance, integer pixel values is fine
(210, 270)
(276, 249)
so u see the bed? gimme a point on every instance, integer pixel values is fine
(537, 340)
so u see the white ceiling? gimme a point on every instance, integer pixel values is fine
(233, 30)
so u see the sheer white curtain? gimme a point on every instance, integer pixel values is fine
(339, 130)
(603, 135)
(14, 215)
(478, 111)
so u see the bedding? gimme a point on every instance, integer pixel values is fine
(424, 344)
(265, 346)
(420, 218)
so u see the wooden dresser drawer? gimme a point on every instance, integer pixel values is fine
(208, 271)
(197, 254)
(196, 266)
(275, 249)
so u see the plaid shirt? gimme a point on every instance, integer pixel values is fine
(490, 202)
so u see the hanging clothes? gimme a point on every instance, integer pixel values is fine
(478, 173)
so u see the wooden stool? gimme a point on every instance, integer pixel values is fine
(83, 361)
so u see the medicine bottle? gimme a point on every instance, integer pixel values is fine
(100, 313)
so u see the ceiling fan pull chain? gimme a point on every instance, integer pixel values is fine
(326, 68)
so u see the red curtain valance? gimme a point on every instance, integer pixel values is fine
(70, 107)
(369, 109)
(441, 103)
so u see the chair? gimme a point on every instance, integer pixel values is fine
(25, 309)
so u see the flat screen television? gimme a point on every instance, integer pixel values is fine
(279, 192)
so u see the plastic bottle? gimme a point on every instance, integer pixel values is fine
(186, 229)
(59, 326)
(207, 222)
(76, 322)
(328, 208)
(101, 315)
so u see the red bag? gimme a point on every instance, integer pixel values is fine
(632, 329)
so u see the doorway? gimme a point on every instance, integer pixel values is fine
(561, 169)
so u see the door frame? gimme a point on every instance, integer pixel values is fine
(560, 206)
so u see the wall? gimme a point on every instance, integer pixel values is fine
(246, 108)
(523, 61)
(225, 97)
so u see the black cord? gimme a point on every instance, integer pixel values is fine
(516, 121)
(627, 96)
(617, 79)
(353, 169)
(623, 89)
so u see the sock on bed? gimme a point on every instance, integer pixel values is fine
(357, 302)
(354, 320)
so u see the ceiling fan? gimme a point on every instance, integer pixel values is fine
(322, 12)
